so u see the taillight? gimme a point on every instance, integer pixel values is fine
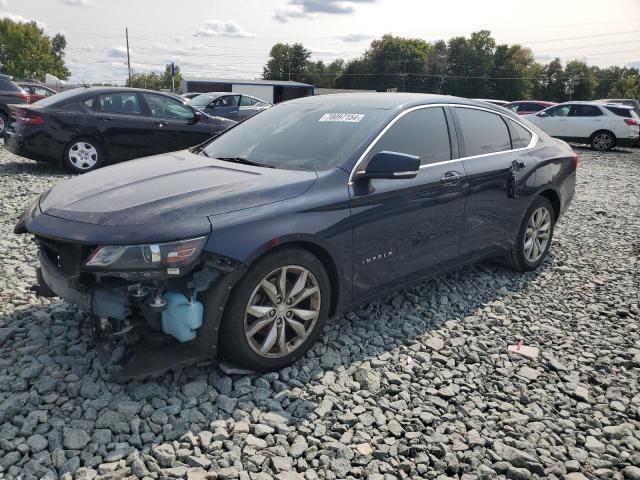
(27, 118)
(576, 160)
(630, 121)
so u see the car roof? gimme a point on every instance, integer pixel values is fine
(545, 102)
(595, 103)
(389, 101)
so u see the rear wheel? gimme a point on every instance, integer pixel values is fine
(534, 238)
(82, 155)
(603, 140)
(276, 312)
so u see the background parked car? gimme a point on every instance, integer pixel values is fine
(500, 103)
(603, 126)
(9, 93)
(86, 128)
(36, 91)
(191, 95)
(629, 102)
(229, 105)
(528, 107)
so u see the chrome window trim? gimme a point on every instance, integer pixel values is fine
(532, 143)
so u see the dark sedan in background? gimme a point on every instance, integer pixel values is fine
(251, 242)
(528, 107)
(86, 128)
(229, 105)
(9, 93)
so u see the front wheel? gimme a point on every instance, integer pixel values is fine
(82, 155)
(603, 141)
(277, 311)
(534, 238)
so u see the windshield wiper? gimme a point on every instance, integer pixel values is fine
(245, 161)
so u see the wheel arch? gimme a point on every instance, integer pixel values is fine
(605, 130)
(553, 197)
(313, 247)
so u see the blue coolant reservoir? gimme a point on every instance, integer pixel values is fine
(181, 317)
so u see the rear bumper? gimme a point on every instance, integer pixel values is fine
(34, 147)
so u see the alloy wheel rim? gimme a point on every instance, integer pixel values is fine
(537, 234)
(602, 141)
(83, 155)
(282, 311)
(1, 124)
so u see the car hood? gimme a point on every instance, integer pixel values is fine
(170, 188)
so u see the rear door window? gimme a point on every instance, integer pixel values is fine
(121, 102)
(423, 133)
(585, 111)
(483, 132)
(247, 101)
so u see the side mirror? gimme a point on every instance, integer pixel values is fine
(543, 114)
(197, 116)
(391, 165)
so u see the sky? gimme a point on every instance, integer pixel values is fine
(232, 38)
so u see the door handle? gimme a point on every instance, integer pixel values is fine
(162, 124)
(105, 118)
(451, 178)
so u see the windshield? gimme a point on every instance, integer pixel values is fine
(299, 136)
(202, 100)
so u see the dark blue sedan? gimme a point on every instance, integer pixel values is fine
(249, 243)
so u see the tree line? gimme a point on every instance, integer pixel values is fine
(26, 52)
(475, 67)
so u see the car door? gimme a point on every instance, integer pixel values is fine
(125, 131)
(553, 120)
(406, 228)
(248, 107)
(495, 156)
(225, 106)
(175, 125)
(584, 120)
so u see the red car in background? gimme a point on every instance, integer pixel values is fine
(36, 91)
(528, 107)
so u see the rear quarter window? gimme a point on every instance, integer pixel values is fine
(621, 112)
(483, 132)
(520, 136)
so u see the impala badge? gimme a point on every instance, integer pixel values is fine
(375, 258)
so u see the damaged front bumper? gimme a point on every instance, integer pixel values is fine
(188, 308)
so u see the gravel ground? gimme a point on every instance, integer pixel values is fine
(418, 385)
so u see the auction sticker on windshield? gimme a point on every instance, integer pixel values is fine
(341, 117)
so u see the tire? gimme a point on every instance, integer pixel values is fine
(243, 335)
(522, 259)
(4, 122)
(603, 140)
(82, 155)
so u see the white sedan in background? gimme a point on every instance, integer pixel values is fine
(603, 126)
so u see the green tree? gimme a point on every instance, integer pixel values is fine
(26, 52)
(155, 81)
(581, 82)
(436, 68)
(513, 73)
(287, 62)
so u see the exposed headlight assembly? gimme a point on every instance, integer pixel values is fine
(172, 256)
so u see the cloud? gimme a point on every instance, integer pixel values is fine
(304, 8)
(634, 64)
(355, 37)
(179, 38)
(3, 3)
(223, 28)
(118, 52)
(78, 3)
(19, 19)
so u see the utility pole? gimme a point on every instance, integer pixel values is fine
(126, 32)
